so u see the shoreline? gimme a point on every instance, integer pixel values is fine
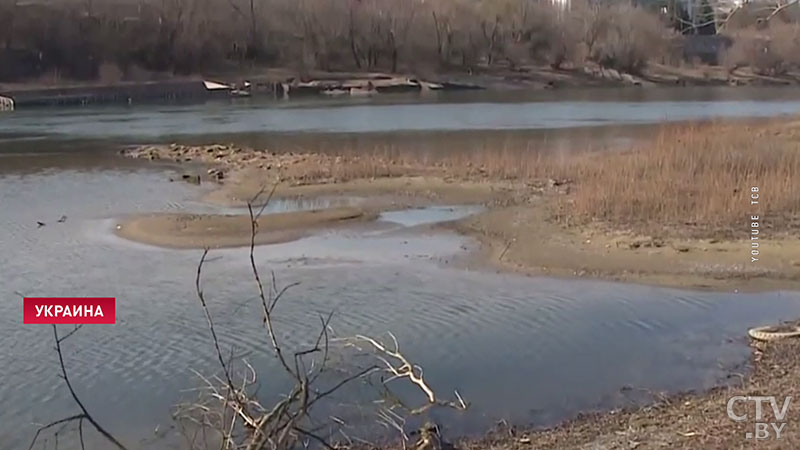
(696, 264)
(289, 83)
(517, 232)
(692, 420)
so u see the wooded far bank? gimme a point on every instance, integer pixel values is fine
(122, 40)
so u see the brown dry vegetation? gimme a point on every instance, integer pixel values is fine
(694, 178)
(691, 180)
(698, 178)
(118, 40)
(771, 50)
(123, 40)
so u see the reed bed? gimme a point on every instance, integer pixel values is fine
(700, 177)
(689, 177)
(695, 179)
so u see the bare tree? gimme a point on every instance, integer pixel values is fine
(773, 50)
(250, 13)
(355, 50)
(594, 19)
(8, 13)
(187, 36)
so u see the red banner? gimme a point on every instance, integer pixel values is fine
(69, 310)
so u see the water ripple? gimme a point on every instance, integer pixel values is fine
(506, 342)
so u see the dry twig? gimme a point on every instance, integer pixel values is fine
(228, 407)
(84, 415)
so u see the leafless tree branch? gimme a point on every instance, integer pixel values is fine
(228, 406)
(84, 415)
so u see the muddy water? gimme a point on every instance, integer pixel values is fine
(530, 350)
(559, 121)
(488, 110)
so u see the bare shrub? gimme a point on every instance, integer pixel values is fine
(593, 20)
(185, 36)
(751, 49)
(773, 50)
(786, 43)
(228, 407)
(228, 412)
(566, 40)
(545, 33)
(389, 26)
(449, 19)
(628, 38)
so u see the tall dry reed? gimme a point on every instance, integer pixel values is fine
(700, 175)
(695, 175)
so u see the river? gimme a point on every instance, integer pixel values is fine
(525, 349)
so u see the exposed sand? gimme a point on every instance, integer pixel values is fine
(524, 240)
(518, 234)
(216, 231)
(379, 192)
(517, 230)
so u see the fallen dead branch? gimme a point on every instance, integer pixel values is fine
(227, 411)
(402, 368)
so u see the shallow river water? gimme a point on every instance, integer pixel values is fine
(457, 111)
(528, 350)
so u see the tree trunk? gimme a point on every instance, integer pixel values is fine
(255, 46)
(438, 36)
(393, 46)
(353, 46)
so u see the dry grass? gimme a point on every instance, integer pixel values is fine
(696, 178)
(699, 176)
(494, 160)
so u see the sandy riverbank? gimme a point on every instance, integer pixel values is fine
(524, 228)
(523, 240)
(216, 231)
